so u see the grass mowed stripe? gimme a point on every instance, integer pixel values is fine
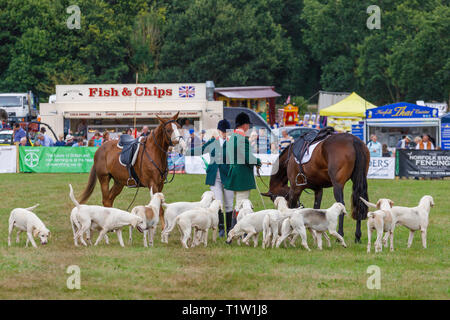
(219, 271)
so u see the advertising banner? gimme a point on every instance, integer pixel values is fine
(445, 136)
(197, 164)
(423, 163)
(8, 159)
(56, 159)
(175, 161)
(381, 168)
(358, 130)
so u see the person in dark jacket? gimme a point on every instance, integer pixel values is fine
(241, 160)
(217, 173)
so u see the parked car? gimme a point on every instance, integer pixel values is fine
(6, 137)
(294, 132)
(257, 122)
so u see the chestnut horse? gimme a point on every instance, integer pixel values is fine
(335, 160)
(150, 166)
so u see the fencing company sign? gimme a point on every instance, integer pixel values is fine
(155, 92)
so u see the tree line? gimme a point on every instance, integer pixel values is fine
(299, 46)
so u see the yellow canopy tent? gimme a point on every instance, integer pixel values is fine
(352, 106)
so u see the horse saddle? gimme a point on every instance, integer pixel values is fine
(127, 157)
(301, 145)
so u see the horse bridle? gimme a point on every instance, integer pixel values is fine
(164, 173)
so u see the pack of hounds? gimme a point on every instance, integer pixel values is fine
(194, 220)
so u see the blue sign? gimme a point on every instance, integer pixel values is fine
(445, 136)
(401, 110)
(358, 130)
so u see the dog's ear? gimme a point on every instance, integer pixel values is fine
(35, 232)
(391, 203)
(378, 204)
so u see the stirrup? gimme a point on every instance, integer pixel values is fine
(304, 179)
(131, 186)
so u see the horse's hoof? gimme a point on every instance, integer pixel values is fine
(357, 240)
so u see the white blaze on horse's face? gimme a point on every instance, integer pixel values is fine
(176, 136)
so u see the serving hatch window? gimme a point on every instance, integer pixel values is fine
(11, 101)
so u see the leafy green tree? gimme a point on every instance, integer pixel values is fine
(146, 42)
(231, 45)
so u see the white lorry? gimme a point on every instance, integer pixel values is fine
(20, 107)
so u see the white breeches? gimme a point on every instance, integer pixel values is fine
(226, 196)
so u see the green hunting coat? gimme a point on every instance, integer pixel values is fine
(217, 160)
(241, 161)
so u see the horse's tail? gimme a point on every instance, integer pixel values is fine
(359, 179)
(90, 186)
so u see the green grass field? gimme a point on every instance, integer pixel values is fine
(219, 271)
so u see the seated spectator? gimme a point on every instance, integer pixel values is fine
(253, 140)
(374, 147)
(97, 140)
(79, 143)
(69, 140)
(404, 143)
(193, 141)
(37, 143)
(18, 132)
(285, 140)
(425, 144)
(23, 141)
(144, 131)
(203, 137)
(45, 141)
(385, 151)
(263, 142)
(417, 140)
(60, 142)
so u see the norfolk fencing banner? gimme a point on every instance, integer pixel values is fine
(381, 168)
(56, 159)
(8, 156)
(423, 163)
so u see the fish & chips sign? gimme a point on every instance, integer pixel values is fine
(105, 92)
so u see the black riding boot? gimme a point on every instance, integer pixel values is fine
(228, 217)
(234, 219)
(221, 225)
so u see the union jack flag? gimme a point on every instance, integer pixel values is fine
(186, 91)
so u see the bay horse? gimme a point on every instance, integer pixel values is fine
(150, 166)
(338, 158)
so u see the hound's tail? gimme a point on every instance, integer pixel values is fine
(90, 186)
(33, 207)
(72, 197)
(369, 204)
(172, 226)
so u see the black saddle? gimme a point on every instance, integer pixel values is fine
(127, 157)
(302, 143)
(126, 139)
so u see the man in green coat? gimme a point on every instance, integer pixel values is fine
(241, 160)
(217, 172)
